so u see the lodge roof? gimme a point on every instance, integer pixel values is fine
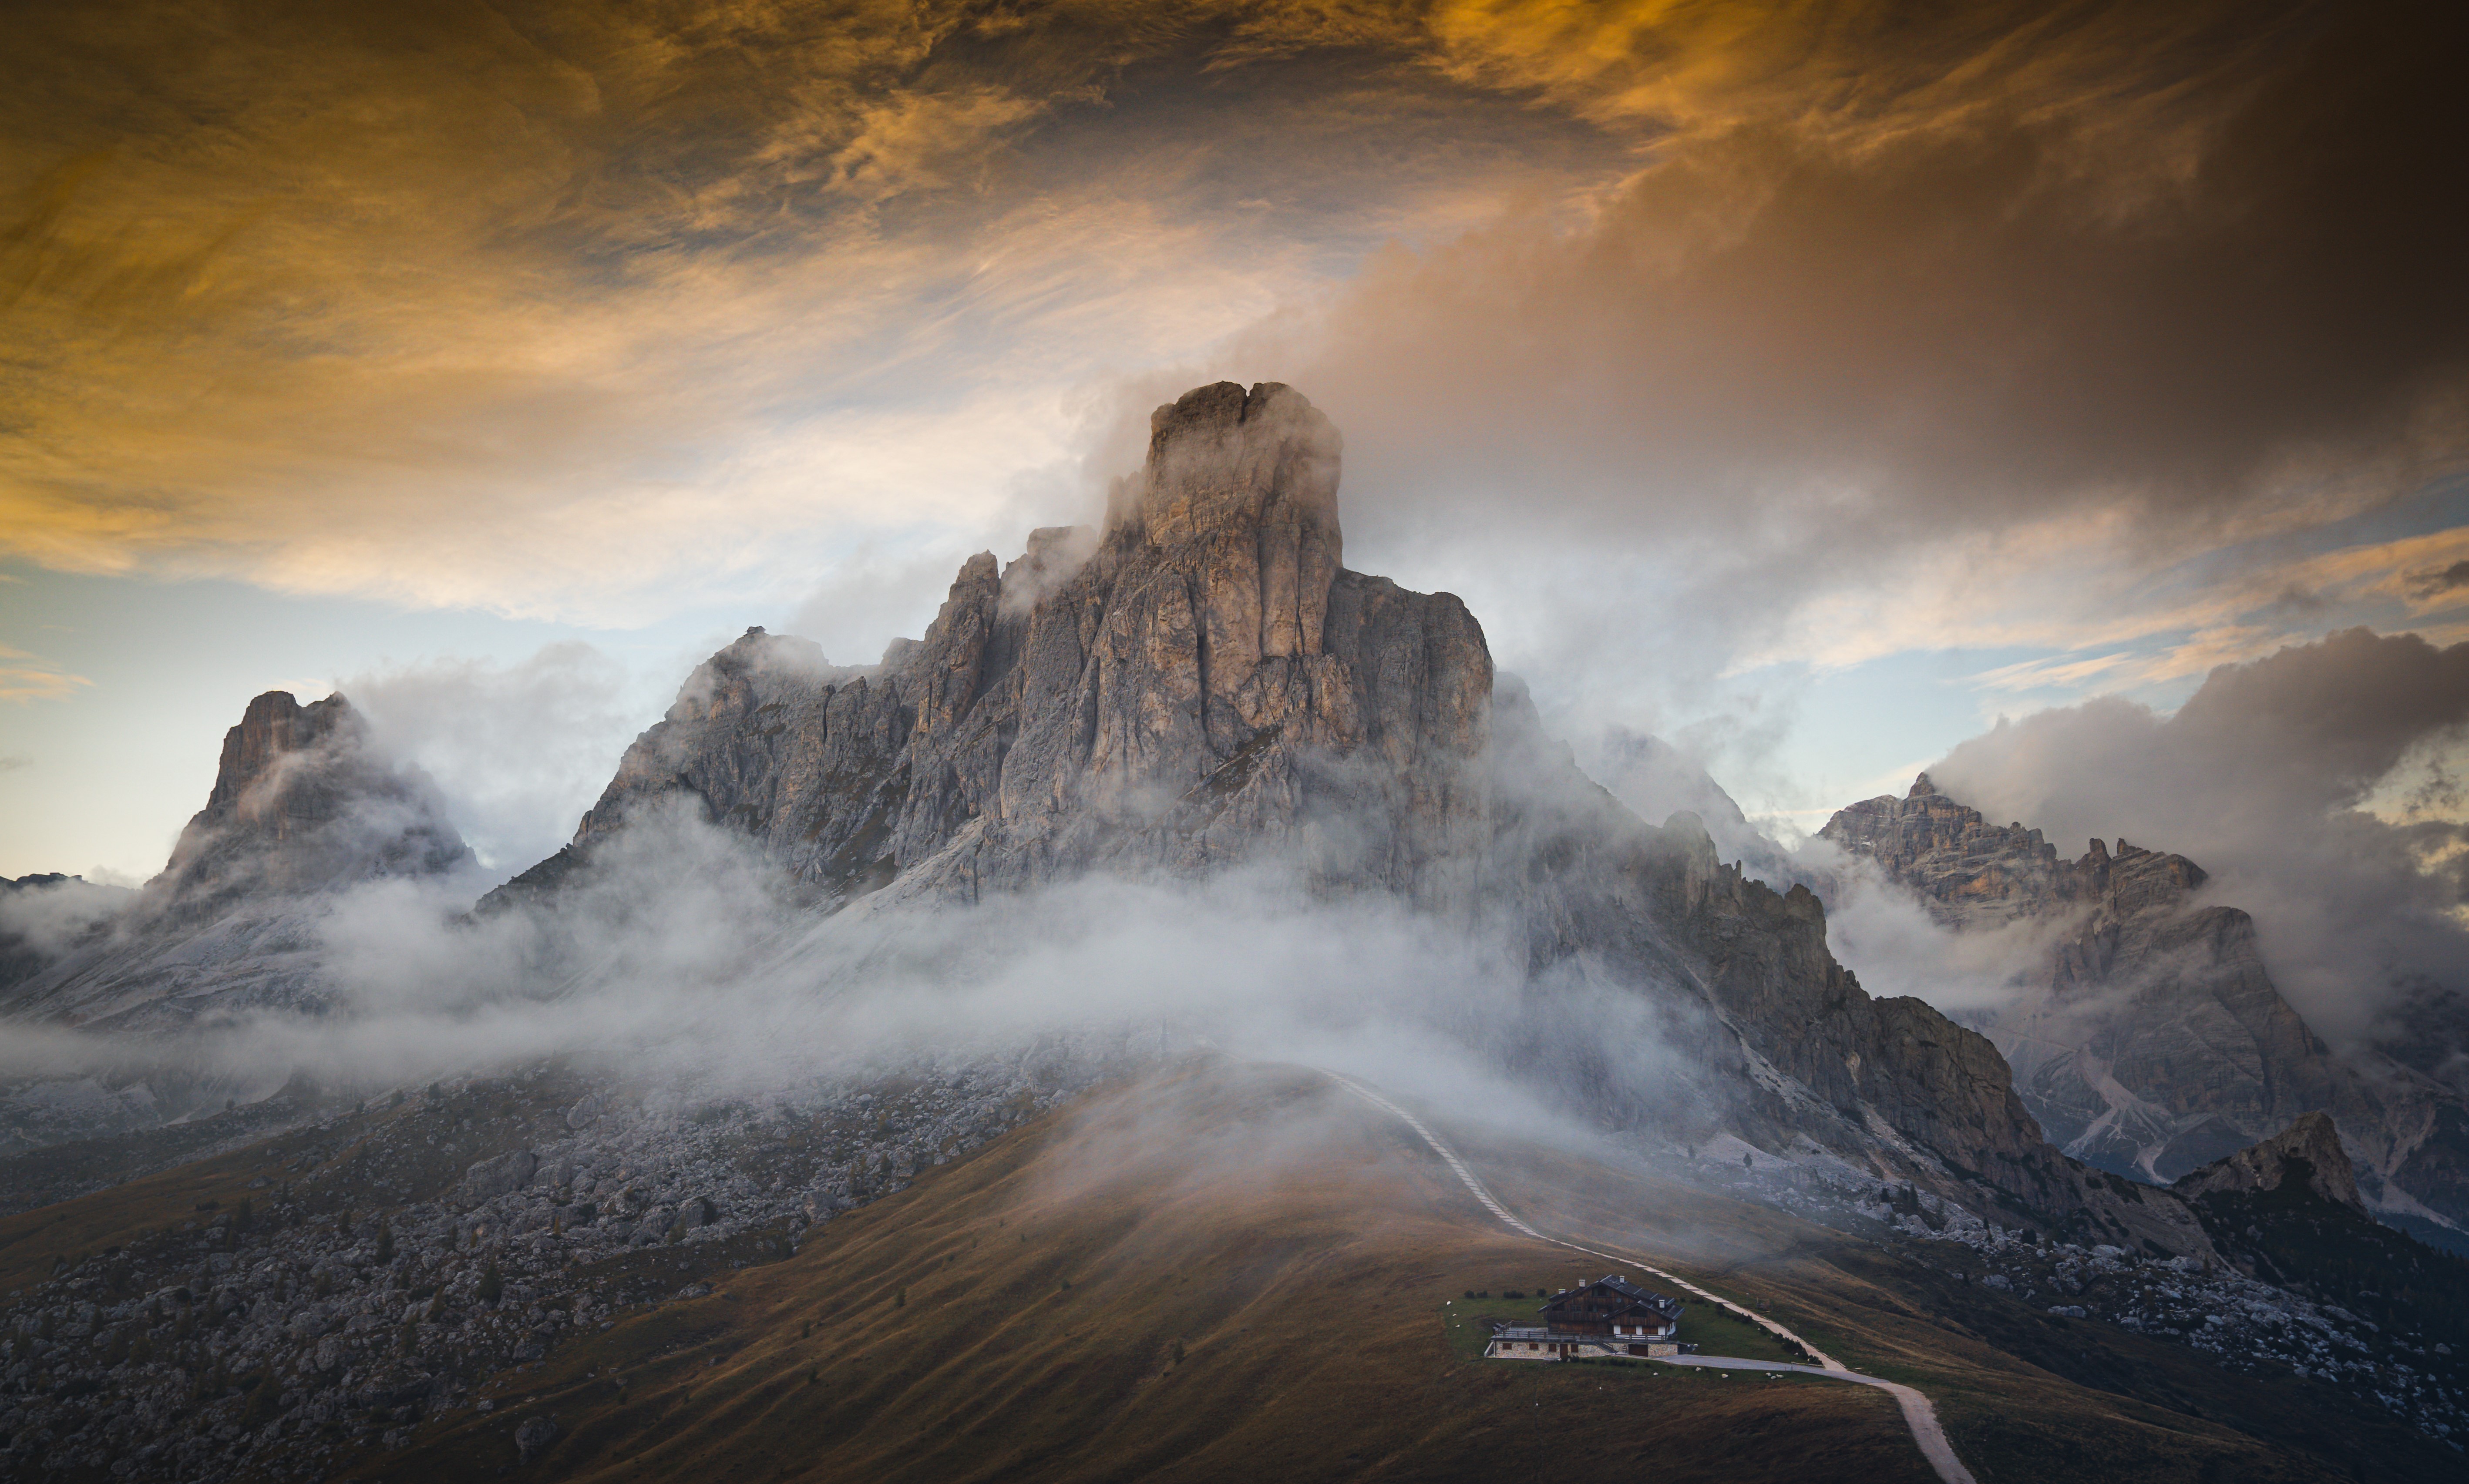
(1637, 1297)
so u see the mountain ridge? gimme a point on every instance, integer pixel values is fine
(2150, 1038)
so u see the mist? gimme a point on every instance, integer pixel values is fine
(684, 962)
(516, 751)
(2315, 785)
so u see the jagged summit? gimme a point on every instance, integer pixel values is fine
(303, 807)
(1974, 873)
(300, 803)
(2146, 1034)
(1221, 457)
(1180, 693)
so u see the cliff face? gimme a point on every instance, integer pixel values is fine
(1202, 684)
(2307, 1151)
(2150, 1040)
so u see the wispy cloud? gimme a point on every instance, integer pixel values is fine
(26, 678)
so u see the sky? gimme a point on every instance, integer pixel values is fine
(1814, 385)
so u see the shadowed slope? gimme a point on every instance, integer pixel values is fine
(1019, 1315)
(1243, 1273)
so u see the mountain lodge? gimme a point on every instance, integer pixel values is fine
(1609, 1316)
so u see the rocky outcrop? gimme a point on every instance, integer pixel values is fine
(1199, 684)
(301, 804)
(2146, 1034)
(2307, 1152)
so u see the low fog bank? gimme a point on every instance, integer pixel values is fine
(47, 915)
(2316, 785)
(683, 962)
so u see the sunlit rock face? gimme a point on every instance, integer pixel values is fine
(2150, 1039)
(1197, 685)
(1203, 685)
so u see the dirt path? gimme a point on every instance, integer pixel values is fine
(1918, 1414)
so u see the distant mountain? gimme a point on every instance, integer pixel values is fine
(44, 916)
(302, 809)
(2151, 1039)
(301, 804)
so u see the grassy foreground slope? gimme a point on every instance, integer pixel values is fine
(1244, 1273)
(1228, 1274)
(2024, 1395)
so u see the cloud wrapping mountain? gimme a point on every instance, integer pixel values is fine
(2312, 785)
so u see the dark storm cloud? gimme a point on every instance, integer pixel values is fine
(2449, 579)
(2318, 786)
(2071, 298)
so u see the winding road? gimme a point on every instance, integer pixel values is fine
(1918, 1414)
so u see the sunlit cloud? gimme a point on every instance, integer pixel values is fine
(25, 678)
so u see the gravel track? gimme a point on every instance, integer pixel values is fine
(1918, 1414)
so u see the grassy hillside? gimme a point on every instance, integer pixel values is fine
(1246, 1273)
(2024, 1395)
(1231, 1276)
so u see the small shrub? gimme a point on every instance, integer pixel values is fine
(265, 1401)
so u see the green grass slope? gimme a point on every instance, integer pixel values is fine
(2024, 1395)
(1246, 1273)
(1233, 1274)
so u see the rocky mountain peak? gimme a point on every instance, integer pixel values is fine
(1968, 871)
(301, 802)
(274, 730)
(1222, 457)
(2308, 1150)
(1182, 691)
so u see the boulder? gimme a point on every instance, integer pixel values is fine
(533, 1438)
(490, 1178)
